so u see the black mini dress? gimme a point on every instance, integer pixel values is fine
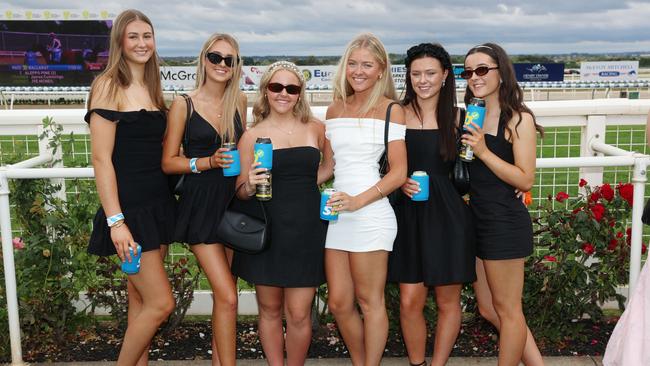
(147, 204)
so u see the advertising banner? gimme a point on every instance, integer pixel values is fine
(539, 72)
(53, 48)
(609, 70)
(183, 77)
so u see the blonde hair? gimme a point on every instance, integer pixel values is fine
(383, 87)
(262, 109)
(117, 72)
(231, 107)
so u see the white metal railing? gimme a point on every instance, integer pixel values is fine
(592, 116)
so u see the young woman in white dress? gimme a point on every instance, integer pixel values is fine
(358, 243)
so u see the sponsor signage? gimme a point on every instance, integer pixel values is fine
(609, 70)
(539, 72)
(178, 76)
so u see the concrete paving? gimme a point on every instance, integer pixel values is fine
(454, 361)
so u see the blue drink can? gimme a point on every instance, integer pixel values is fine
(263, 151)
(327, 213)
(234, 169)
(132, 267)
(475, 114)
(423, 179)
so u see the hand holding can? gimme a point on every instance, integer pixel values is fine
(423, 181)
(133, 266)
(328, 212)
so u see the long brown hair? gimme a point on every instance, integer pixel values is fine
(117, 72)
(511, 97)
(232, 93)
(446, 110)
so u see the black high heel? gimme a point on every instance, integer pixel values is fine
(423, 363)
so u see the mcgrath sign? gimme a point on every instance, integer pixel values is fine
(539, 72)
(183, 77)
(609, 70)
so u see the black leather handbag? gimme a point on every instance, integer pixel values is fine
(395, 196)
(176, 181)
(241, 230)
(460, 173)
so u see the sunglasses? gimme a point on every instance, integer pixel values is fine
(480, 71)
(216, 59)
(277, 88)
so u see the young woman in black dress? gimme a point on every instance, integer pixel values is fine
(435, 239)
(126, 114)
(505, 150)
(218, 116)
(288, 272)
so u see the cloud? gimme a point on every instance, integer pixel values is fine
(310, 27)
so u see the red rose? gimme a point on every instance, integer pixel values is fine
(582, 183)
(612, 223)
(643, 249)
(595, 195)
(607, 192)
(619, 234)
(627, 192)
(598, 211)
(561, 196)
(550, 258)
(628, 231)
(588, 248)
(576, 210)
(612, 244)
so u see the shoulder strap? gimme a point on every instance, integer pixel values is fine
(234, 196)
(461, 122)
(190, 109)
(386, 124)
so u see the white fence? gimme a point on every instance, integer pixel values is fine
(592, 117)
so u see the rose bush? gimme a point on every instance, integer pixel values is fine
(581, 257)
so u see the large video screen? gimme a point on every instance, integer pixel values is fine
(52, 52)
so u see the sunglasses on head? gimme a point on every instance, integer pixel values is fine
(277, 88)
(480, 71)
(216, 59)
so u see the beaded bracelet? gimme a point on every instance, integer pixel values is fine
(112, 220)
(193, 167)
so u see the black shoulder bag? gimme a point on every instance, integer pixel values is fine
(395, 196)
(176, 181)
(460, 173)
(243, 231)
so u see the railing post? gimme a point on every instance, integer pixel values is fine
(639, 179)
(595, 129)
(10, 273)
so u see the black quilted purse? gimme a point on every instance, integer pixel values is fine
(176, 181)
(460, 173)
(395, 197)
(241, 230)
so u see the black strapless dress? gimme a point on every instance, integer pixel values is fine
(143, 190)
(295, 256)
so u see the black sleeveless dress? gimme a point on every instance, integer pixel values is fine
(295, 256)
(205, 195)
(435, 238)
(504, 229)
(142, 187)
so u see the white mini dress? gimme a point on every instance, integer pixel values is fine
(358, 144)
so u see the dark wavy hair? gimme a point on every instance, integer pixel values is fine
(446, 110)
(511, 97)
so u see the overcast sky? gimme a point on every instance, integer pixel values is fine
(305, 27)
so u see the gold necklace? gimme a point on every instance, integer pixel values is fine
(290, 132)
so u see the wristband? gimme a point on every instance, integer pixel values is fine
(193, 167)
(112, 220)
